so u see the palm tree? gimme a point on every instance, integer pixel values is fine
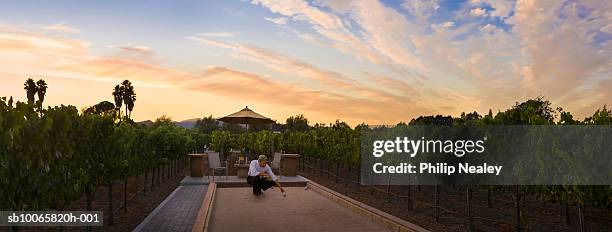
(31, 89)
(41, 90)
(118, 95)
(129, 97)
(131, 102)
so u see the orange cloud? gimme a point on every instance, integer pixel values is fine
(242, 85)
(58, 56)
(19, 40)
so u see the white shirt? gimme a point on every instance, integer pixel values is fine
(255, 169)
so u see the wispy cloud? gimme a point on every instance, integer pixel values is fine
(331, 81)
(553, 48)
(243, 85)
(68, 58)
(133, 48)
(562, 53)
(61, 27)
(375, 43)
(278, 21)
(222, 34)
(280, 63)
(419, 57)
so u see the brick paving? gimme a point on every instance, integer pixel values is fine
(177, 212)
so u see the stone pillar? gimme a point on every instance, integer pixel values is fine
(196, 162)
(242, 170)
(289, 164)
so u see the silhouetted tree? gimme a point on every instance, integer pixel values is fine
(340, 125)
(102, 108)
(118, 96)
(432, 120)
(41, 90)
(31, 89)
(129, 97)
(468, 119)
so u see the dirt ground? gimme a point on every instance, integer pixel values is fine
(536, 215)
(139, 205)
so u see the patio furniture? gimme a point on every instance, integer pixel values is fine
(232, 159)
(242, 159)
(276, 164)
(214, 163)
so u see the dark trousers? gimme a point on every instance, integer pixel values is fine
(259, 183)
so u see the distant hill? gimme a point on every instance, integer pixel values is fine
(189, 123)
(146, 123)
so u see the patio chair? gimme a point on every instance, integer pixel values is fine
(276, 164)
(214, 163)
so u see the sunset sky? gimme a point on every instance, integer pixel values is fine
(378, 62)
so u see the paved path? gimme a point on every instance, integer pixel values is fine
(177, 212)
(233, 181)
(237, 209)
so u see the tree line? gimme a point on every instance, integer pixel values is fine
(340, 143)
(42, 148)
(51, 156)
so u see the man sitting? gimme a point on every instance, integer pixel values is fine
(261, 176)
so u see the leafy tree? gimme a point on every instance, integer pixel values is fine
(233, 128)
(432, 120)
(93, 147)
(223, 141)
(168, 141)
(297, 123)
(61, 146)
(103, 108)
(23, 156)
(531, 112)
(259, 127)
(200, 140)
(207, 124)
(566, 118)
(487, 119)
(468, 119)
(600, 117)
(278, 127)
